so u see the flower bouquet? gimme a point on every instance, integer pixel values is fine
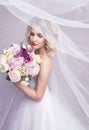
(20, 63)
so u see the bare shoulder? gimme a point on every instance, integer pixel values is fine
(42, 81)
(45, 67)
(47, 63)
(47, 60)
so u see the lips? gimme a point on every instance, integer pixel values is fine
(34, 44)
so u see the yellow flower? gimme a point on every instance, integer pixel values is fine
(4, 67)
(22, 72)
(8, 55)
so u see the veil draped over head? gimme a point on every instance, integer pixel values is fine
(68, 32)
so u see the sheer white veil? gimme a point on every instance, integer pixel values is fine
(68, 30)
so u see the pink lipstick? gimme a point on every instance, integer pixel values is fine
(34, 44)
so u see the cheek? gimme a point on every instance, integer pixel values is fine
(30, 38)
(42, 42)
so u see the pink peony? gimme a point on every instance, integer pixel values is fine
(14, 75)
(32, 69)
(16, 63)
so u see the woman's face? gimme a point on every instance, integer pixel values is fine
(36, 39)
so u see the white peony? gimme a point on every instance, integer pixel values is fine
(16, 48)
(6, 50)
(26, 79)
(3, 59)
(24, 83)
(13, 48)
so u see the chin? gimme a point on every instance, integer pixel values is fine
(35, 48)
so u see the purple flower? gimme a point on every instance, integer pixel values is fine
(24, 53)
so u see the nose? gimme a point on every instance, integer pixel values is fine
(34, 38)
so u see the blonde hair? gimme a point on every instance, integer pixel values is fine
(47, 29)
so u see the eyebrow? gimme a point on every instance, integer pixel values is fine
(36, 33)
(39, 33)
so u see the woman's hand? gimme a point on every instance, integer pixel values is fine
(38, 93)
(17, 84)
(27, 90)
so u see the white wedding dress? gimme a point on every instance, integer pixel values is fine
(47, 114)
(70, 78)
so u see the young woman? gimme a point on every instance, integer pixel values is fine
(38, 108)
(39, 45)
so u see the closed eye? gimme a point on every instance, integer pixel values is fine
(31, 34)
(40, 35)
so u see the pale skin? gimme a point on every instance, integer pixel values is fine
(37, 93)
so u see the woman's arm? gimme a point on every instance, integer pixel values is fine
(37, 93)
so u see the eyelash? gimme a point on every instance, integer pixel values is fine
(32, 34)
(39, 35)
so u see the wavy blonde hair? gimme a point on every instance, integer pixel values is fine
(47, 29)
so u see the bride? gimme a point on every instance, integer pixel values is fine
(37, 107)
(39, 45)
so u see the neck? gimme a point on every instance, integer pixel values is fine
(42, 51)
